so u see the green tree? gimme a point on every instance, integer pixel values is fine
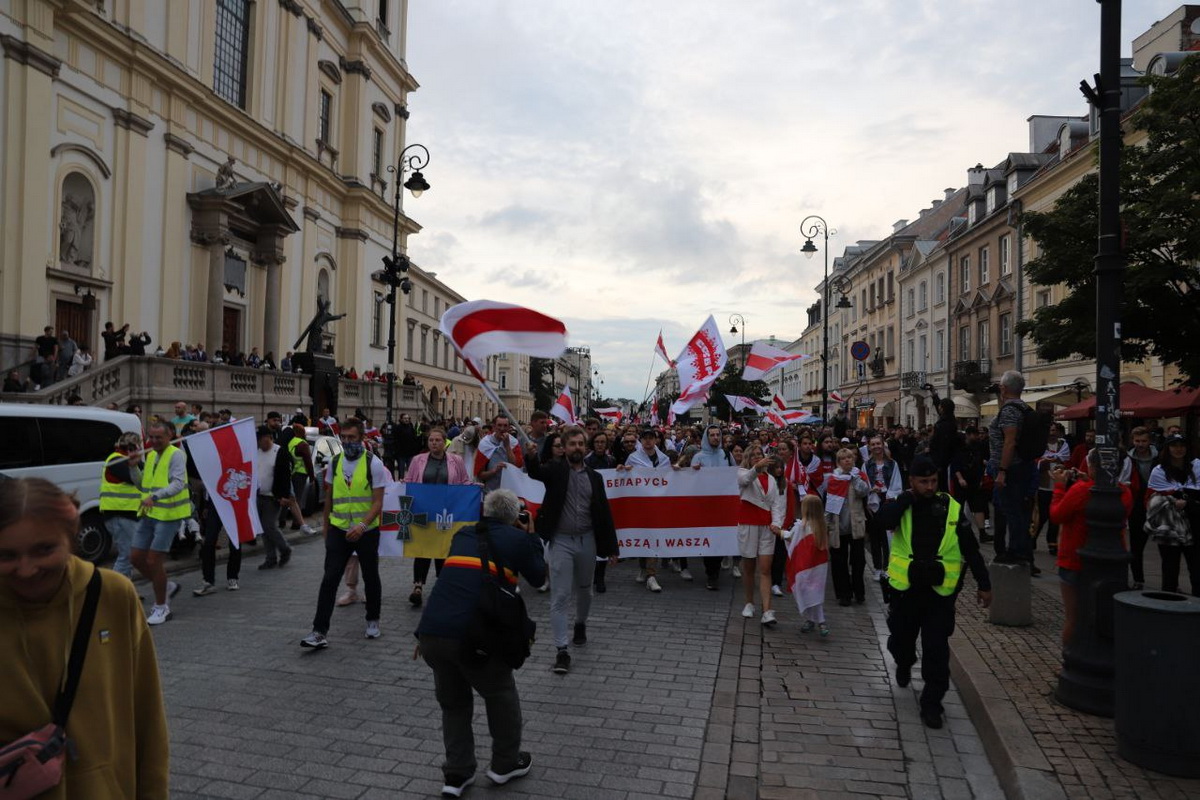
(1160, 196)
(731, 383)
(541, 383)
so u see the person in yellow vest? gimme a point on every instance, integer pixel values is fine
(121, 497)
(354, 483)
(166, 502)
(302, 473)
(933, 539)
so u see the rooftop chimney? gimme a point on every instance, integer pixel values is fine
(898, 225)
(975, 175)
(935, 204)
(949, 192)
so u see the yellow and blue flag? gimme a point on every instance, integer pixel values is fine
(420, 519)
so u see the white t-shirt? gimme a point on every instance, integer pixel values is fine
(379, 473)
(266, 469)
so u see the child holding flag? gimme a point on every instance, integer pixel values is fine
(808, 563)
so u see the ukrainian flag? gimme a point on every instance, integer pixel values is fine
(428, 515)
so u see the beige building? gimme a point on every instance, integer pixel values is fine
(202, 169)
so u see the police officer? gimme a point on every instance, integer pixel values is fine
(933, 538)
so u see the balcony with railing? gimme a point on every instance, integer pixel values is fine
(972, 376)
(912, 381)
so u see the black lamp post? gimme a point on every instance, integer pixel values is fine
(1086, 680)
(395, 266)
(734, 321)
(819, 227)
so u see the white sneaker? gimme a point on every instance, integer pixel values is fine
(768, 618)
(373, 629)
(686, 574)
(675, 566)
(641, 576)
(232, 585)
(726, 562)
(737, 571)
(776, 591)
(652, 584)
(203, 589)
(158, 615)
(748, 611)
(307, 530)
(172, 589)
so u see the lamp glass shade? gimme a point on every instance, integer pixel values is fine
(416, 184)
(809, 248)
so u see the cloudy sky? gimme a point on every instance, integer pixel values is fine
(631, 165)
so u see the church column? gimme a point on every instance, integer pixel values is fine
(271, 309)
(214, 325)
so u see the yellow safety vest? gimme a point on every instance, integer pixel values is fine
(117, 495)
(352, 501)
(948, 552)
(297, 459)
(157, 475)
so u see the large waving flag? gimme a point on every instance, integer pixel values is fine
(807, 567)
(661, 349)
(482, 328)
(836, 397)
(225, 458)
(420, 519)
(564, 408)
(779, 403)
(611, 414)
(699, 366)
(763, 358)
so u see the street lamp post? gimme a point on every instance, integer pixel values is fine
(819, 227)
(1086, 682)
(395, 266)
(734, 321)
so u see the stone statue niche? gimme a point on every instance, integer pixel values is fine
(76, 228)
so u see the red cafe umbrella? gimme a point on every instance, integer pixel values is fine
(1133, 397)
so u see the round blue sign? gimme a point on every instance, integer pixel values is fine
(860, 351)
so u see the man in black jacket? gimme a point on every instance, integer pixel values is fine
(449, 614)
(576, 521)
(925, 571)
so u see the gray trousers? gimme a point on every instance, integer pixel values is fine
(273, 542)
(572, 566)
(454, 682)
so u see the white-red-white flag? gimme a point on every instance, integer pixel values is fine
(661, 349)
(779, 403)
(799, 416)
(838, 489)
(564, 408)
(671, 415)
(699, 366)
(226, 458)
(482, 328)
(763, 358)
(685, 513)
(807, 567)
(611, 414)
(837, 398)
(531, 491)
(488, 445)
(740, 403)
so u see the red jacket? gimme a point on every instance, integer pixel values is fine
(1067, 510)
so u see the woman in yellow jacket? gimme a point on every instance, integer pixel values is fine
(118, 723)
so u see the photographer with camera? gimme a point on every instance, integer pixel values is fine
(447, 628)
(1068, 507)
(933, 539)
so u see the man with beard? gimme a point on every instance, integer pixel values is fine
(925, 570)
(576, 522)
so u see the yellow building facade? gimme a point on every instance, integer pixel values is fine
(204, 170)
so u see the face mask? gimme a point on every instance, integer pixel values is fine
(353, 450)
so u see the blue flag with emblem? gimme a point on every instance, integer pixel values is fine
(420, 519)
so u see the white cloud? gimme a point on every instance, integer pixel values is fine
(630, 165)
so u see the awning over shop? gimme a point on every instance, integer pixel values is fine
(1172, 403)
(965, 407)
(1054, 395)
(888, 410)
(1135, 399)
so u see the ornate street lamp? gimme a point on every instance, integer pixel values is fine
(811, 226)
(734, 321)
(395, 266)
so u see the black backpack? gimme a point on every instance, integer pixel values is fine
(501, 628)
(1033, 433)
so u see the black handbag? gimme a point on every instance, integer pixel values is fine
(501, 627)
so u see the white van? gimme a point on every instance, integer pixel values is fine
(66, 445)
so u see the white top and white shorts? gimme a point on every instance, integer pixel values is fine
(755, 541)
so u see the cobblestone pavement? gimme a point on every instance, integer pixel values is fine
(1054, 751)
(675, 696)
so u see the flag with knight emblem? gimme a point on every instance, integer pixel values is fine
(420, 519)
(225, 457)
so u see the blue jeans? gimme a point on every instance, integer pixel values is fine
(122, 529)
(1015, 501)
(155, 534)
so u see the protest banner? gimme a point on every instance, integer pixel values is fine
(420, 519)
(674, 514)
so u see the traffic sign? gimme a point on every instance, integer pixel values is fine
(860, 350)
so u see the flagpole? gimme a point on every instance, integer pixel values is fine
(179, 439)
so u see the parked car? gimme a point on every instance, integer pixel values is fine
(68, 446)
